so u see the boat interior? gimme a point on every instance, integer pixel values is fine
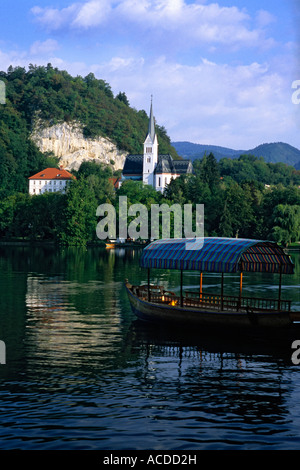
(156, 294)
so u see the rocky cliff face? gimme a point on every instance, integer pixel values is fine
(68, 143)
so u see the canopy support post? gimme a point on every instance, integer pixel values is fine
(181, 288)
(280, 288)
(241, 288)
(201, 279)
(222, 292)
(148, 284)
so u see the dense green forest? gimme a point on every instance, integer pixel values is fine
(244, 197)
(245, 209)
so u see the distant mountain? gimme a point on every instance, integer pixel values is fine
(272, 153)
(194, 151)
(277, 152)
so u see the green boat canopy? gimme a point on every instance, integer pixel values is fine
(217, 255)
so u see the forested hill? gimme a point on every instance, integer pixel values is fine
(55, 96)
(278, 152)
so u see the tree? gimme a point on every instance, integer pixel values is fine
(123, 98)
(7, 212)
(240, 213)
(286, 220)
(209, 171)
(225, 227)
(79, 215)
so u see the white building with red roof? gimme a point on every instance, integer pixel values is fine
(49, 180)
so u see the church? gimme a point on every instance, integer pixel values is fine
(152, 168)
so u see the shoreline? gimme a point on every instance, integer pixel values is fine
(100, 244)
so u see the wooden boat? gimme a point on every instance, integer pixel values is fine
(110, 245)
(124, 244)
(218, 255)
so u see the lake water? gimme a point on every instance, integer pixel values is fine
(82, 373)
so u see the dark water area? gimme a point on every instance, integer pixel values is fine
(82, 373)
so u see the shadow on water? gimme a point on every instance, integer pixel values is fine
(218, 341)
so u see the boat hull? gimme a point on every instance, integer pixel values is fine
(196, 317)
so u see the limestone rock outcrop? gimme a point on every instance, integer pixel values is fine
(67, 142)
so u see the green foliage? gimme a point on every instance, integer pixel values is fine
(138, 193)
(122, 97)
(79, 215)
(241, 207)
(286, 222)
(33, 217)
(208, 171)
(19, 157)
(55, 96)
(97, 176)
(251, 168)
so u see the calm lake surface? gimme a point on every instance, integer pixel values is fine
(82, 373)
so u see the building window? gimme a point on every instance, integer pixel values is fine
(148, 159)
(148, 149)
(166, 181)
(159, 181)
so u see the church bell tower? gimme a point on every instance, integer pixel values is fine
(150, 152)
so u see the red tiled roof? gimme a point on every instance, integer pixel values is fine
(52, 174)
(115, 181)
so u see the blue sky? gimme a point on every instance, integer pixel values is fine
(220, 72)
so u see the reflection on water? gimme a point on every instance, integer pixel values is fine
(57, 328)
(83, 373)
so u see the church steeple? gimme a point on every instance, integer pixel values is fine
(151, 126)
(150, 151)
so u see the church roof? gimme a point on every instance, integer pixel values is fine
(133, 165)
(165, 164)
(183, 167)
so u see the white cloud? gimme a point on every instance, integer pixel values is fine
(193, 23)
(265, 18)
(76, 16)
(92, 14)
(42, 48)
(54, 19)
(235, 106)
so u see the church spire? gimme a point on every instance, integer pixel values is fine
(151, 127)
(150, 158)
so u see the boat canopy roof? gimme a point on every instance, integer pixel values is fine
(218, 255)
